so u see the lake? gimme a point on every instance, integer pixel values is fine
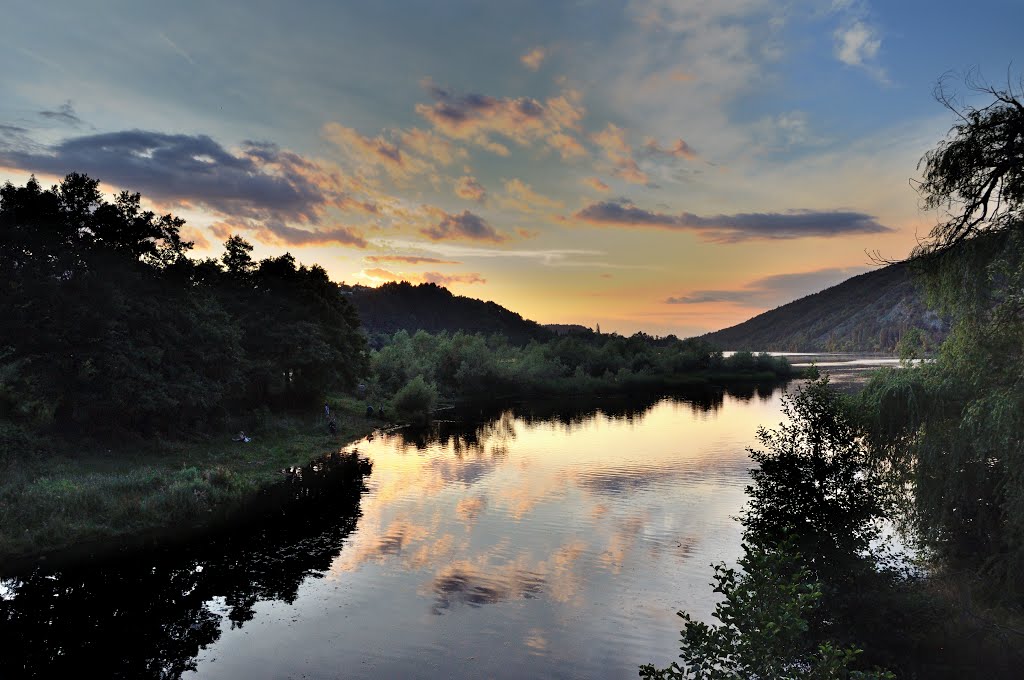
(534, 539)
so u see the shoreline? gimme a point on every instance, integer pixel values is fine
(63, 507)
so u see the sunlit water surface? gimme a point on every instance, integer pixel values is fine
(536, 540)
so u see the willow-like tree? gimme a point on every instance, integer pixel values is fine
(954, 429)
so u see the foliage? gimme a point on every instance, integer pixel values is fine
(415, 401)
(977, 174)
(109, 325)
(951, 429)
(763, 627)
(814, 511)
(814, 483)
(465, 364)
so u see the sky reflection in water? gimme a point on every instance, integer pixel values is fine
(547, 539)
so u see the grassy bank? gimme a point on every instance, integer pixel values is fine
(58, 494)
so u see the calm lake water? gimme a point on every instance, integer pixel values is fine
(537, 539)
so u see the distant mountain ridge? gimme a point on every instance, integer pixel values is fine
(403, 306)
(867, 313)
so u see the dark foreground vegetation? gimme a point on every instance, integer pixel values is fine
(936, 448)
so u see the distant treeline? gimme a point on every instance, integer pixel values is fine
(109, 325)
(462, 364)
(403, 306)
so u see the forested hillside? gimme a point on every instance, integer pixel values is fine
(867, 313)
(428, 307)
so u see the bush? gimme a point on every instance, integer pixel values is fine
(415, 401)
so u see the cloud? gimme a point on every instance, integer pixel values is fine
(856, 43)
(448, 279)
(596, 184)
(382, 275)
(430, 146)
(521, 196)
(465, 226)
(275, 232)
(479, 118)
(65, 114)
(612, 140)
(177, 50)
(738, 227)
(408, 259)
(375, 152)
(678, 149)
(261, 181)
(534, 58)
(469, 188)
(772, 291)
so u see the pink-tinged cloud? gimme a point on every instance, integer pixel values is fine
(595, 184)
(197, 237)
(470, 189)
(522, 197)
(448, 279)
(612, 140)
(374, 152)
(466, 226)
(478, 119)
(431, 146)
(534, 58)
(380, 274)
(678, 149)
(739, 227)
(408, 259)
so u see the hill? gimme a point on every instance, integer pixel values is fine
(402, 306)
(867, 313)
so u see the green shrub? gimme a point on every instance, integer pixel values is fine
(415, 401)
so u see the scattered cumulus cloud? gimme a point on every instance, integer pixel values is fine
(490, 121)
(856, 44)
(534, 58)
(612, 141)
(738, 227)
(595, 184)
(677, 149)
(466, 226)
(521, 196)
(470, 189)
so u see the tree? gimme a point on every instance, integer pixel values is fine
(763, 627)
(952, 429)
(977, 174)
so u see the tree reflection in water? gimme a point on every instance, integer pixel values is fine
(148, 614)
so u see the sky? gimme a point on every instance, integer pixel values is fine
(664, 166)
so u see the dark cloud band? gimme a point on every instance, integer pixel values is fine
(738, 227)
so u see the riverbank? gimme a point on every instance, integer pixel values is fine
(87, 497)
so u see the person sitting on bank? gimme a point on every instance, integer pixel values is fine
(241, 437)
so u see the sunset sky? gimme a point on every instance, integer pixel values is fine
(657, 165)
